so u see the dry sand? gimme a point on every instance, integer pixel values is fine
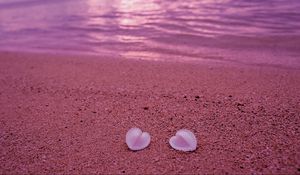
(70, 114)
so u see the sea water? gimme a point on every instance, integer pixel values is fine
(263, 32)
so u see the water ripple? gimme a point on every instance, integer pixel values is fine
(139, 28)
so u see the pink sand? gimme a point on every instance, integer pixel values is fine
(70, 114)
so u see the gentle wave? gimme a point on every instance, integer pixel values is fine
(153, 29)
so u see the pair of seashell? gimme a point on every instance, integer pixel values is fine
(184, 140)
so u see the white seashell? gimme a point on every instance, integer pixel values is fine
(136, 139)
(184, 140)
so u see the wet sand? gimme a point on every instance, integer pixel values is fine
(70, 114)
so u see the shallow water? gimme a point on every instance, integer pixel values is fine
(256, 32)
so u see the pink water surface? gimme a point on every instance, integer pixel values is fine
(249, 32)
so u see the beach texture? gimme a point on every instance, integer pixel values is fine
(70, 114)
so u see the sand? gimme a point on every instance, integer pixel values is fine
(69, 115)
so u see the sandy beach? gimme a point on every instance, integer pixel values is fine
(70, 114)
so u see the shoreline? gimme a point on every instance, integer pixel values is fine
(265, 51)
(70, 114)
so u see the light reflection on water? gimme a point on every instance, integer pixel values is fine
(152, 29)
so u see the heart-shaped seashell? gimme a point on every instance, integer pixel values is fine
(184, 140)
(136, 139)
